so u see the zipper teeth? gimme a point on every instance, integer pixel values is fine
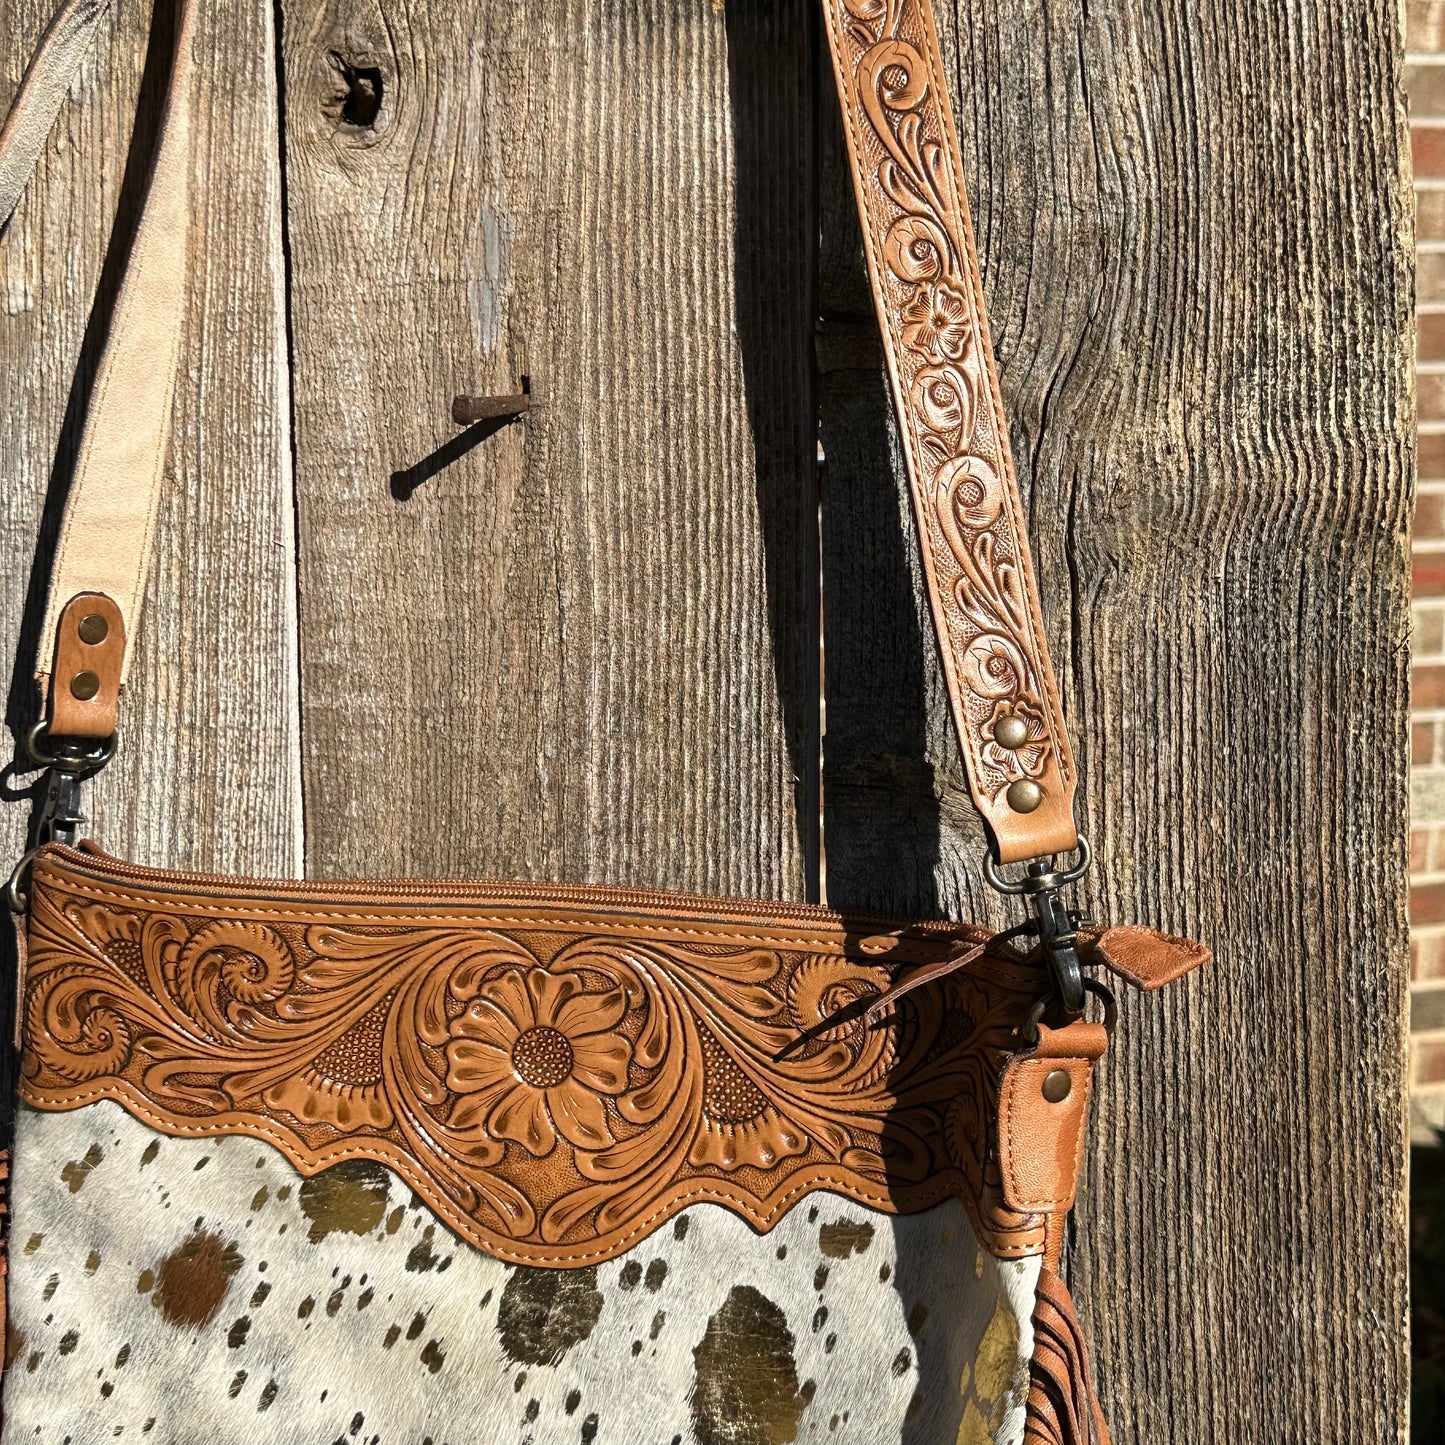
(465, 890)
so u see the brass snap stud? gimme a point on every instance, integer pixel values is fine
(93, 628)
(84, 686)
(1057, 1085)
(1024, 796)
(1011, 733)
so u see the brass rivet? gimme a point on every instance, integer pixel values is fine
(1011, 732)
(93, 628)
(1057, 1084)
(84, 685)
(1024, 796)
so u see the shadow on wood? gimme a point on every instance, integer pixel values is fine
(776, 218)
(406, 481)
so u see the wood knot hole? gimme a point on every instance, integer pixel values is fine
(361, 102)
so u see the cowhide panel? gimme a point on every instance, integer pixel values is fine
(177, 1291)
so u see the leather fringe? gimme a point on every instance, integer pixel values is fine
(4, 1266)
(1062, 1408)
(4, 1249)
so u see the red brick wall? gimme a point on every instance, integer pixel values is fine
(1425, 85)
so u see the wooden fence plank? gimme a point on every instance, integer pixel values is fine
(585, 648)
(207, 774)
(1194, 228)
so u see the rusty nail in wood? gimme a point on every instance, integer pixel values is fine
(469, 409)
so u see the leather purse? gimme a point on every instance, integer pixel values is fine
(373, 1160)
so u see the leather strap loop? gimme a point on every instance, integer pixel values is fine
(89, 652)
(1043, 1106)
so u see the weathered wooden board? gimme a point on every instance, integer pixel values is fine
(586, 647)
(1194, 222)
(208, 776)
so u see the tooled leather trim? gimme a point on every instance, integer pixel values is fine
(554, 1085)
(926, 286)
(927, 289)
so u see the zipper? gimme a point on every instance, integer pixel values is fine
(89, 860)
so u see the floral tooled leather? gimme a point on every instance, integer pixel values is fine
(556, 1072)
(924, 273)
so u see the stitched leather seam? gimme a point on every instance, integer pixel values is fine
(320, 914)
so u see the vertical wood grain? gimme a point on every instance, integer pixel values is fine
(1194, 222)
(584, 648)
(207, 771)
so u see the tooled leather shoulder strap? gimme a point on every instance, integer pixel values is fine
(926, 286)
(925, 279)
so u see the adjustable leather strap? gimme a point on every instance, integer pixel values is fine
(926, 286)
(105, 539)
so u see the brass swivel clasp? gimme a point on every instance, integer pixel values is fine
(1057, 926)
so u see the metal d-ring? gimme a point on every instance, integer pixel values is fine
(16, 899)
(68, 758)
(1029, 1029)
(1039, 879)
(1105, 995)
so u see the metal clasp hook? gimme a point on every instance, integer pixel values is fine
(57, 817)
(1057, 926)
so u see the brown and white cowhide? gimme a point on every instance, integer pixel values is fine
(180, 1291)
